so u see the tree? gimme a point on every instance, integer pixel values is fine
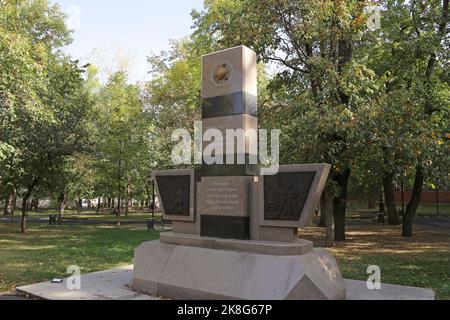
(120, 137)
(333, 72)
(172, 97)
(411, 57)
(42, 101)
(316, 45)
(61, 135)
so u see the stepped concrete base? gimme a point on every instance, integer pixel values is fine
(357, 290)
(261, 247)
(187, 272)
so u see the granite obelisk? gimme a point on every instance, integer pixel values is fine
(234, 230)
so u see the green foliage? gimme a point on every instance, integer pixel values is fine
(371, 101)
(42, 98)
(172, 97)
(342, 93)
(121, 137)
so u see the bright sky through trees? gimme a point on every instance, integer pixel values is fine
(127, 29)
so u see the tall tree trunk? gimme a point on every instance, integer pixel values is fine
(98, 204)
(61, 206)
(411, 208)
(381, 206)
(372, 200)
(345, 55)
(389, 196)
(120, 188)
(7, 202)
(142, 205)
(326, 210)
(119, 209)
(78, 204)
(14, 200)
(340, 204)
(23, 222)
(127, 201)
(13, 207)
(148, 201)
(322, 219)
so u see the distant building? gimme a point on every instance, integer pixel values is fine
(427, 196)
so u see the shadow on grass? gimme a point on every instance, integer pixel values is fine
(421, 261)
(45, 252)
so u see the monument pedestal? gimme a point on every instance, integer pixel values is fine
(236, 226)
(200, 273)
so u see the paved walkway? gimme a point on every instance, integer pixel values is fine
(12, 296)
(441, 223)
(105, 285)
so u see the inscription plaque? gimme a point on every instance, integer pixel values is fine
(175, 194)
(224, 196)
(220, 196)
(285, 195)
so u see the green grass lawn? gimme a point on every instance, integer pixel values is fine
(430, 209)
(422, 261)
(45, 252)
(425, 270)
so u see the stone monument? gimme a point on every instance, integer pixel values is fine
(234, 233)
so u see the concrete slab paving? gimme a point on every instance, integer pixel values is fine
(104, 285)
(115, 285)
(298, 248)
(357, 290)
(12, 296)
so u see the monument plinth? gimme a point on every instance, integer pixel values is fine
(234, 232)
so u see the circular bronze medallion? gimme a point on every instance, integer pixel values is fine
(222, 73)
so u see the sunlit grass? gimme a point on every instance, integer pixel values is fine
(45, 252)
(423, 261)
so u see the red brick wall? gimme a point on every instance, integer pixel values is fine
(427, 196)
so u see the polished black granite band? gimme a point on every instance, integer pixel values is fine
(246, 169)
(227, 227)
(233, 170)
(229, 105)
